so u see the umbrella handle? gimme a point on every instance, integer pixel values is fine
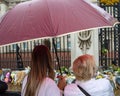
(53, 41)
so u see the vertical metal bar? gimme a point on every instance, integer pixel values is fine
(105, 40)
(30, 50)
(119, 33)
(6, 57)
(3, 57)
(101, 57)
(13, 47)
(9, 55)
(60, 50)
(68, 51)
(64, 49)
(56, 55)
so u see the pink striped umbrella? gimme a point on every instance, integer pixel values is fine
(50, 18)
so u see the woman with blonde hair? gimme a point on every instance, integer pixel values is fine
(86, 84)
(40, 80)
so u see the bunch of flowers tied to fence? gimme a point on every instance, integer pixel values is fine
(109, 2)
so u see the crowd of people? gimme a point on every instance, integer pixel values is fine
(40, 79)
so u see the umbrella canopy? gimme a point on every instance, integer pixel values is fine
(49, 18)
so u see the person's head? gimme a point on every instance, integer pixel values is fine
(41, 61)
(41, 67)
(84, 67)
(47, 43)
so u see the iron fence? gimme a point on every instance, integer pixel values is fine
(17, 56)
(109, 39)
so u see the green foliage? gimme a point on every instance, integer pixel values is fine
(118, 69)
(65, 70)
(104, 50)
(113, 67)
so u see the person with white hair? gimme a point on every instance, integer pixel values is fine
(84, 69)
